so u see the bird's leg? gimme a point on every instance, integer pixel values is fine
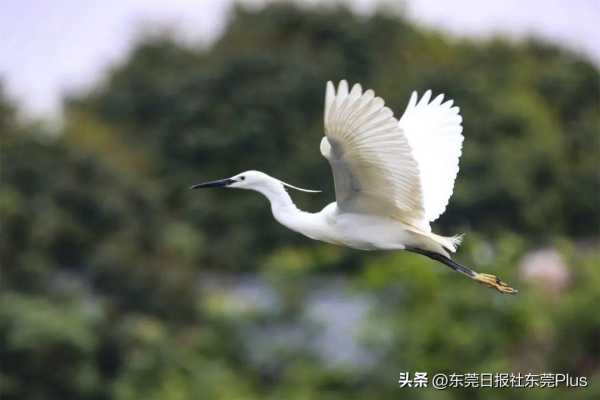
(485, 279)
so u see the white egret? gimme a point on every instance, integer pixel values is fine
(392, 177)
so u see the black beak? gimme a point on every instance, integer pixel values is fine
(211, 184)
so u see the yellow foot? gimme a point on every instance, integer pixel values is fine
(493, 282)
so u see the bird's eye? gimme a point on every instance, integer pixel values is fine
(243, 178)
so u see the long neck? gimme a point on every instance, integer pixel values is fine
(277, 196)
(284, 210)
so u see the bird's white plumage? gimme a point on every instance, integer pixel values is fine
(391, 177)
(373, 166)
(401, 169)
(434, 132)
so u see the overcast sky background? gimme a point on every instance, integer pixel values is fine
(48, 48)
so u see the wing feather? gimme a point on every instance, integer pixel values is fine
(372, 162)
(434, 132)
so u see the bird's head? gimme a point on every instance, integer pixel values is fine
(253, 180)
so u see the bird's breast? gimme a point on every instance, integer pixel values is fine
(369, 232)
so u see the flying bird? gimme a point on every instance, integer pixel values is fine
(392, 177)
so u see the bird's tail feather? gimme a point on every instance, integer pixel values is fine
(450, 243)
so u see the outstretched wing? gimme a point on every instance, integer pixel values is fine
(434, 133)
(373, 166)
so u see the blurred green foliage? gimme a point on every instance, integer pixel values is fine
(108, 259)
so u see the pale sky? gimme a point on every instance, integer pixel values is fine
(48, 48)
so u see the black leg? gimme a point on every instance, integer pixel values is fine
(486, 279)
(444, 260)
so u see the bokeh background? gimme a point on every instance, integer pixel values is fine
(120, 283)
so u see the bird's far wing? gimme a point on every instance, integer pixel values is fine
(434, 133)
(372, 163)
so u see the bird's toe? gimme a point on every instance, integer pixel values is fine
(494, 282)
